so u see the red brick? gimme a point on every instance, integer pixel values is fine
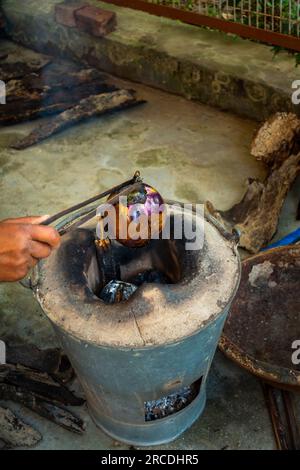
(65, 13)
(95, 21)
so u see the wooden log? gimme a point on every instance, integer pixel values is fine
(63, 74)
(28, 355)
(277, 145)
(36, 105)
(54, 77)
(52, 360)
(244, 208)
(50, 411)
(58, 87)
(260, 225)
(256, 216)
(16, 433)
(277, 139)
(18, 61)
(42, 385)
(95, 105)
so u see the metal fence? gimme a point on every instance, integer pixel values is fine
(273, 21)
(281, 16)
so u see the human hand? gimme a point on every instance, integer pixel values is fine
(22, 243)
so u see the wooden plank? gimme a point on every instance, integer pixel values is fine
(41, 384)
(50, 411)
(92, 106)
(57, 87)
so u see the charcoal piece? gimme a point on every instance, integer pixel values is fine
(16, 433)
(50, 411)
(28, 355)
(117, 291)
(41, 384)
(166, 406)
(151, 275)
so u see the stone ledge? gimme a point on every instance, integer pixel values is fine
(209, 66)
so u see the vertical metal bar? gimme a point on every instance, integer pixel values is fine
(249, 12)
(257, 13)
(242, 11)
(273, 15)
(199, 6)
(265, 14)
(234, 10)
(298, 17)
(280, 14)
(213, 10)
(220, 8)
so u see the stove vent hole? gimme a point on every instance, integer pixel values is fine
(172, 403)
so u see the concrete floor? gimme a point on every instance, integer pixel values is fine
(189, 152)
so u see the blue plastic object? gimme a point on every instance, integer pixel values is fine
(289, 239)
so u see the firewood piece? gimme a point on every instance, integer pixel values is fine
(92, 106)
(260, 224)
(256, 216)
(20, 61)
(250, 201)
(277, 139)
(14, 432)
(37, 104)
(41, 384)
(57, 87)
(63, 74)
(28, 355)
(50, 411)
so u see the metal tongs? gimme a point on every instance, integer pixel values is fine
(81, 213)
(84, 211)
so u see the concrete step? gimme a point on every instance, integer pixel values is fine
(200, 64)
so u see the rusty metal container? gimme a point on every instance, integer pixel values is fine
(143, 363)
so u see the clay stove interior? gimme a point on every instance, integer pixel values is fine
(168, 260)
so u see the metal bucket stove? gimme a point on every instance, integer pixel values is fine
(143, 363)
